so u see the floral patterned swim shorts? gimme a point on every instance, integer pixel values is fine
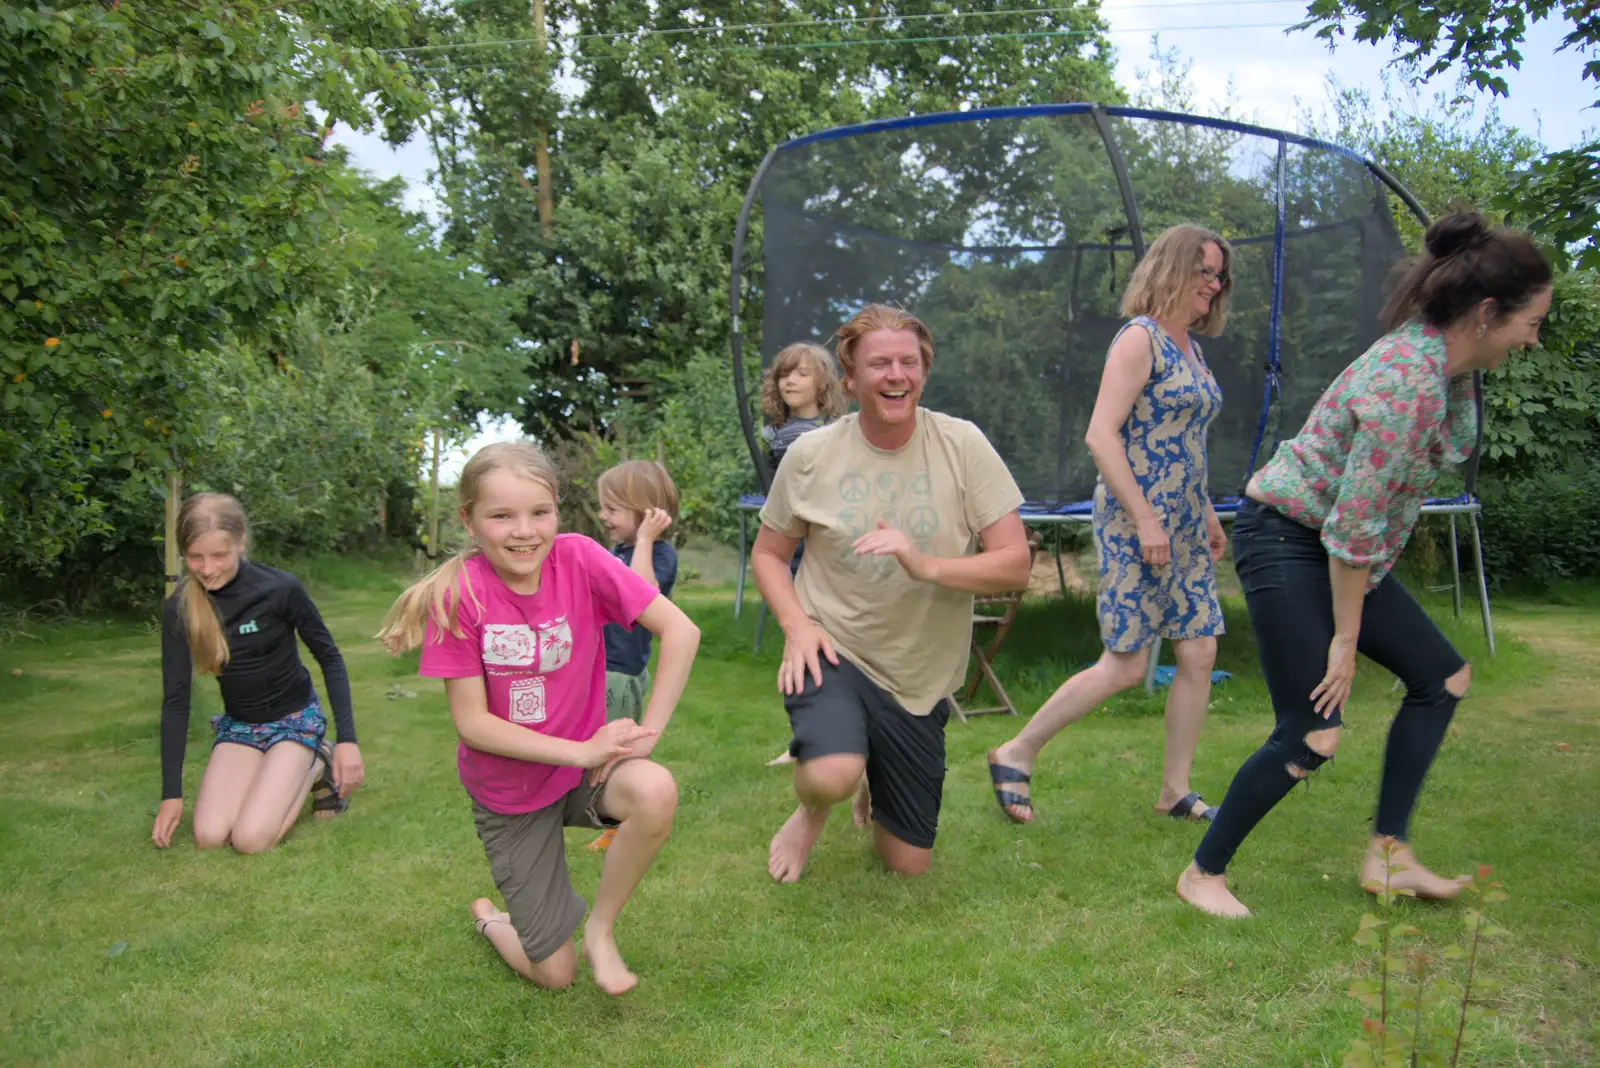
(308, 726)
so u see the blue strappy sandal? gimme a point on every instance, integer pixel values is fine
(1001, 774)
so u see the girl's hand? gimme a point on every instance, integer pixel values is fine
(653, 524)
(1154, 547)
(611, 743)
(167, 817)
(348, 771)
(1334, 689)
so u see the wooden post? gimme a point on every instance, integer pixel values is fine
(174, 559)
(541, 147)
(433, 502)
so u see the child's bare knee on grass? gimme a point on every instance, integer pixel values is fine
(555, 972)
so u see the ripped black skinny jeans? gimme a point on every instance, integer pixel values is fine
(1284, 571)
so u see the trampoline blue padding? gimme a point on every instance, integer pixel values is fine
(1046, 513)
(1225, 506)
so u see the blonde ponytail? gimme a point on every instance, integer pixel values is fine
(202, 627)
(437, 596)
(206, 513)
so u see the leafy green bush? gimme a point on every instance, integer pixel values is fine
(1545, 527)
(1543, 407)
(309, 450)
(692, 427)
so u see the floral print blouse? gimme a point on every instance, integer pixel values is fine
(1380, 434)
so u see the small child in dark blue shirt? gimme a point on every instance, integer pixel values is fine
(801, 391)
(638, 502)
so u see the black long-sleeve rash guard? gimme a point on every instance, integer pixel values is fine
(262, 609)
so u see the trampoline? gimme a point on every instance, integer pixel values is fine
(1011, 232)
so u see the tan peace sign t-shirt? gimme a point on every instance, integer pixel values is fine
(942, 488)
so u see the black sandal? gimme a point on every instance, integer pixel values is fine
(1184, 809)
(1002, 773)
(324, 794)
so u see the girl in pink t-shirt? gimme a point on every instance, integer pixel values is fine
(513, 626)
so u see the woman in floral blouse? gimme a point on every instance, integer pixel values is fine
(1325, 521)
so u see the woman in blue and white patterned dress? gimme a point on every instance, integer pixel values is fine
(1156, 532)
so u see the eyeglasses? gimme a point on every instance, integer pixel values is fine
(1219, 277)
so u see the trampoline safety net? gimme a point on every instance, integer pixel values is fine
(1009, 233)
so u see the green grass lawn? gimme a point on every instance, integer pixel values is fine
(1061, 943)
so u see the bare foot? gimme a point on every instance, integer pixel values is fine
(1407, 873)
(484, 913)
(861, 807)
(1016, 813)
(610, 974)
(791, 846)
(1209, 893)
(782, 758)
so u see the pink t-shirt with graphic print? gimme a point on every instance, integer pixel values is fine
(542, 659)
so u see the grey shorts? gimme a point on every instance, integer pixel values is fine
(528, 859)
(849, 713)
(625, 695)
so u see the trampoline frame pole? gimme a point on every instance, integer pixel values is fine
(1483, 582)
(1119, 166)
(1455, 567)
(1061, 573)
(736, 338)
(744, 559)
(740, 393)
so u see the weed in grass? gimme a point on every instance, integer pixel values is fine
(1420, 1005)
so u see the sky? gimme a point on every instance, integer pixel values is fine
(1273, 71)
(1275, 77)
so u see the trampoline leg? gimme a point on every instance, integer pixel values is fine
(1061, 575)
(744, 559)
(761, 625)
(1455, 565)
(1483, 584)
(1150, 668)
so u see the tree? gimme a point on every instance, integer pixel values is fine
(1543, 407)
(164, 189)
(651, 155)
(666, 114)
(1557, 195)
(317, 429)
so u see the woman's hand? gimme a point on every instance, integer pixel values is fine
(618, 739)
(802, 652)
(1334, 689)
(348, 771)
(1154, 547)
(167, 817)
(1216, 537)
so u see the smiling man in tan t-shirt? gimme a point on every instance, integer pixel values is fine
(891, 501)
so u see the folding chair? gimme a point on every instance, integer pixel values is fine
(996, 611)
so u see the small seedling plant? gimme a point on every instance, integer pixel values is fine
(1424, 1002)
